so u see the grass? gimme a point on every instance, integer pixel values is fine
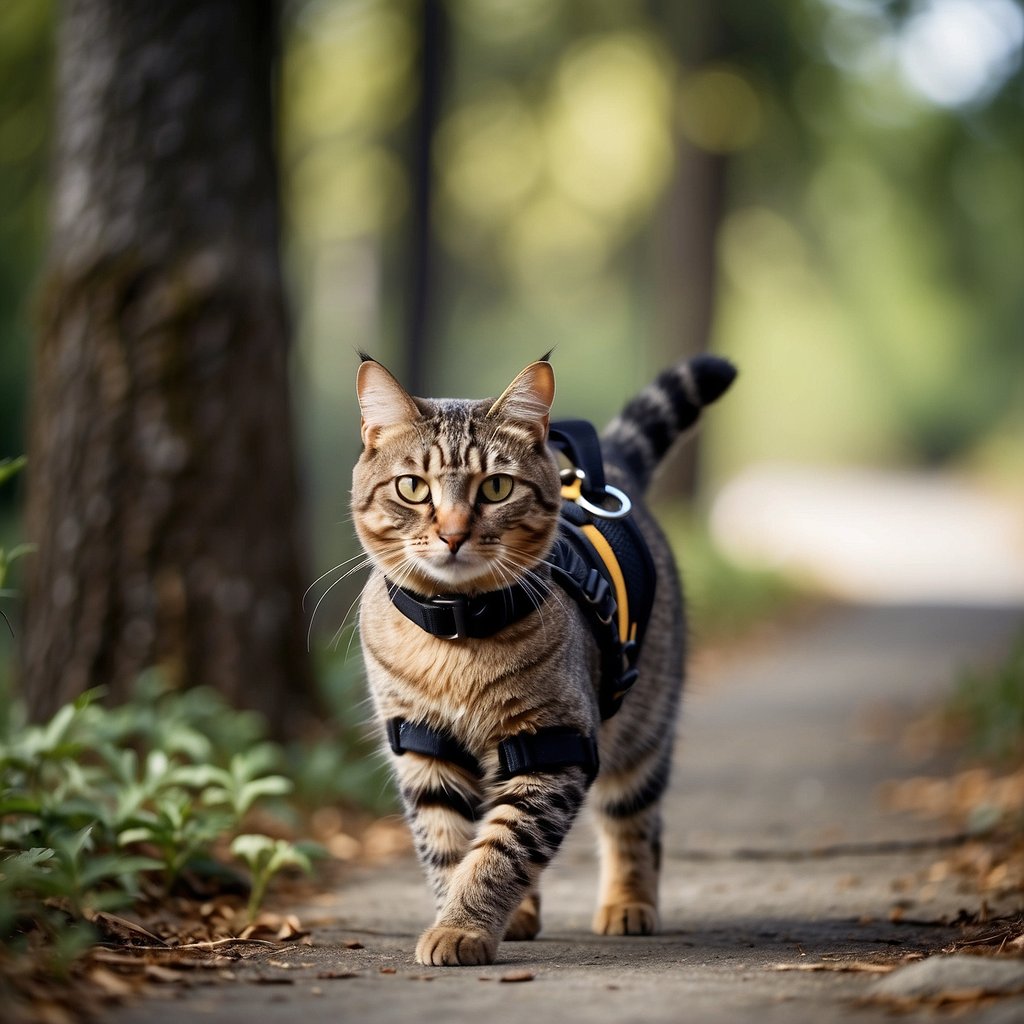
(988, 707)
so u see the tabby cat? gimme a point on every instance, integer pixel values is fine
(462, 497)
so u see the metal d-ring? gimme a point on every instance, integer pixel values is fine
(625, 505)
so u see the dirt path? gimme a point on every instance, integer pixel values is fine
(777, 854)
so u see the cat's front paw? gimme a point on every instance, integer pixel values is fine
(454, 947)
(626, 919)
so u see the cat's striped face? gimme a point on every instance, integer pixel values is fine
(455, 496)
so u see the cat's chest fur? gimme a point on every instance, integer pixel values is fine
(476, 687)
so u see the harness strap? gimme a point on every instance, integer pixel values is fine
(546, 750)
(417, 738)
(458, 617)
(578, 441)
(596, 600)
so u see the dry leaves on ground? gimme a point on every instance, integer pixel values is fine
(980, 800)
(171, 943)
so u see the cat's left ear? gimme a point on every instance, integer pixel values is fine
(383, 402)
(528, 398)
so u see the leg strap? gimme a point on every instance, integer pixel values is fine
(416, 738)
(547, 750)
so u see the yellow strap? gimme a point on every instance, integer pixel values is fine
(604, 549)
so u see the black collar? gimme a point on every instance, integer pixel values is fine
(460, 617)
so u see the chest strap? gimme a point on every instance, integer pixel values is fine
(526, 753)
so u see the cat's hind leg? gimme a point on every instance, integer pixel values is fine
(628, 818)
(525, 921)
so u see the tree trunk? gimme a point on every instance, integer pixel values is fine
(162, 490)
(686, 278)
(421, 265)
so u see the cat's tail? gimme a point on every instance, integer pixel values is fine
(638, 438)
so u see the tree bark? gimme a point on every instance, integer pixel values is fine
(421, 266)
(162, 491)
(686, 277)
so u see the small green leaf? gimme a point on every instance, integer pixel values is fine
(140, 834)
(251, 847)
(10, 467)
(28, 858)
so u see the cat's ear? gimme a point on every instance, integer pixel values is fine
(383, 402)
(528, 398)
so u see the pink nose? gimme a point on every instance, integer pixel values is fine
(454, 540)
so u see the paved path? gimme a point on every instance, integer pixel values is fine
(775, 856)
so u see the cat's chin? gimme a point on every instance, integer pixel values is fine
(454, 577)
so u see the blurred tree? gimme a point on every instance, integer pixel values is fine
(163, 493)
(685, 234)
(422, 256)
(26, 61)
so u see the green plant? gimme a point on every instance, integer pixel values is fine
(265, 857)
(344, 761)
(989, 704)
(97, 798)
(8, 468)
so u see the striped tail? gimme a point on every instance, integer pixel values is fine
(638, 438)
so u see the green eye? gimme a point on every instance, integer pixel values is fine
(496, 488)
(413, 489)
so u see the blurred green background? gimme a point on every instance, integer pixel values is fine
(854, 168)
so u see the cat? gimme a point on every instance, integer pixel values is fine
(458, 497)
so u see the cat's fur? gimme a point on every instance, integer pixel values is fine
(483, 842)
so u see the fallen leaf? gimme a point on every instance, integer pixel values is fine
(513, 976)
(338, 975)
(291, 928)
(154, 972)
(353, 944)
(110, 926)
(850, 966)
(109, 983)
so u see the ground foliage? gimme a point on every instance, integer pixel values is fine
(983, 802)
(147, 810)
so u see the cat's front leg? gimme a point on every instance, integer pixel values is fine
(442, 804)
(524, 824)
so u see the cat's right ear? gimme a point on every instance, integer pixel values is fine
(383, 402)
(528, 398)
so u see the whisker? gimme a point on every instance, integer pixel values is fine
(334, 641)
(340, 565)
(312, 618)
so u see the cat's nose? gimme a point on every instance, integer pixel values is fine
(454, 540)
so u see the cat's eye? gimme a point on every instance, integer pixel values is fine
(413, 489)
(496, 488)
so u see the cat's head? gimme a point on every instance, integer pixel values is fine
(455, 496)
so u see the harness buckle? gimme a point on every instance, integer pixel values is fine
(598, 593)
(460, 615)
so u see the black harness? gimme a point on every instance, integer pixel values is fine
(603, 563)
